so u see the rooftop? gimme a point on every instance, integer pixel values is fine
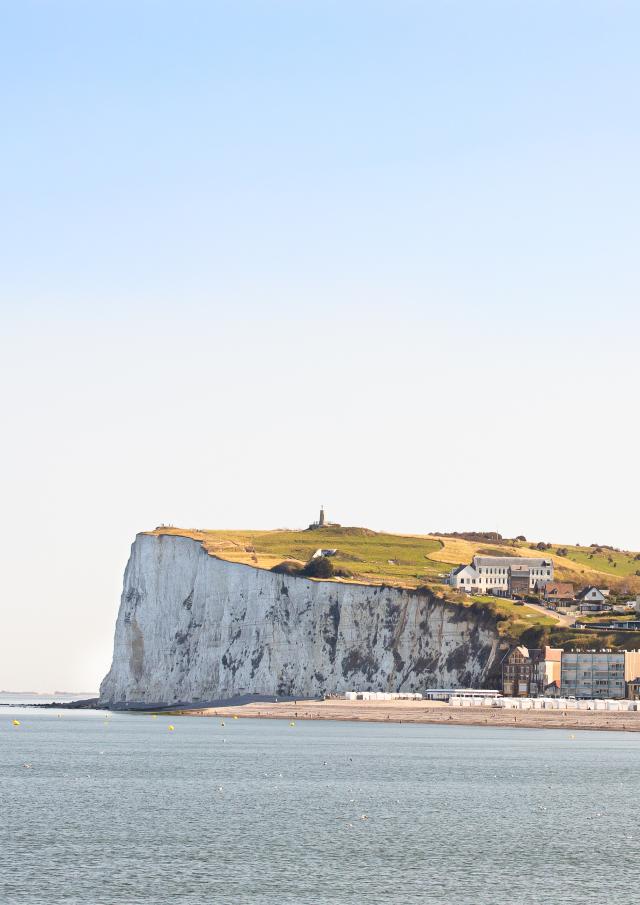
(528, 561)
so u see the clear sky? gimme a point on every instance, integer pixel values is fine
(265, 254)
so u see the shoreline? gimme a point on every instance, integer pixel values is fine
(431, 713)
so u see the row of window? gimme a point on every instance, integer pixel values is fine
(592, 663)
(601, 683)
(492, 582)
(496, 571)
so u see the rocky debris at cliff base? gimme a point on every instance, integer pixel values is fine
(190, 706)
(83, 704)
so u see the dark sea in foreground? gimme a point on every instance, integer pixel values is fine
(102, 809)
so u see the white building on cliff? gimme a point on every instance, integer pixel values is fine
(491, 574)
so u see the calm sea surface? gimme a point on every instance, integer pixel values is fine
(122, 810)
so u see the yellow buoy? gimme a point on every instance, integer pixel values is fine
(16, 722)
(292, 723)
(171, 728)
(235, 717)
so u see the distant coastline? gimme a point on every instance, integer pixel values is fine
(66, 699)
(50, 694)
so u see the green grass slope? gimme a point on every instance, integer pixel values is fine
(369, 556)
(616, 563)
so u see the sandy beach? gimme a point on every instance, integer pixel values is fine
(425, 712)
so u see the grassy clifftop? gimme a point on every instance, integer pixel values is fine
(409, 560)
(369, 556)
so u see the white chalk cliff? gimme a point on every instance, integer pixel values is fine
(193, 628)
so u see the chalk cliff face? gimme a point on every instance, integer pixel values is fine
(194, 628)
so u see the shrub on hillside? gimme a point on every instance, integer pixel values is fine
(287, 568)
(535, 636)
(562, 551)
(320, 567)
(479, 536)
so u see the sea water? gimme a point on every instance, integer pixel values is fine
(104, 808)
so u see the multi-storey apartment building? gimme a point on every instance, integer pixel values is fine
(495, 574)
(578, 674)
(598, 673)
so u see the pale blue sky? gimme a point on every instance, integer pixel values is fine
(262, 255)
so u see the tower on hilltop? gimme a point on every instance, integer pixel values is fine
(322, 522)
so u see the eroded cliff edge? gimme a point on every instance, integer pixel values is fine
(193, 628)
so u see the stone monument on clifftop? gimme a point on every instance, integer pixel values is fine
(322, 522)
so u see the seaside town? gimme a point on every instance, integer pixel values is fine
(552, 672)
(550, 677)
